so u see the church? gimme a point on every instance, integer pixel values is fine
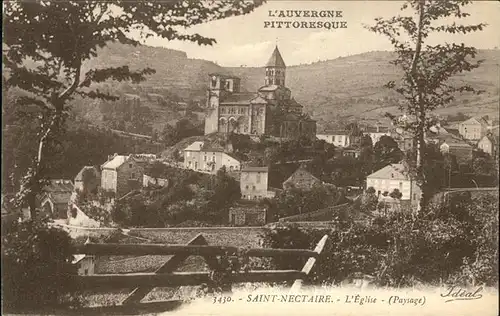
(270, 111)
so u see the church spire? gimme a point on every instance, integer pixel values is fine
(276, 60)
(275, 69)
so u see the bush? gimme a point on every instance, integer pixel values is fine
(455, 242)
(37, 259)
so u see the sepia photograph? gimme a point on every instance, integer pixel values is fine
(250, 157)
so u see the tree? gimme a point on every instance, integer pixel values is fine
(426, 67)
(38, 259)
(46, 44)
(386, 151)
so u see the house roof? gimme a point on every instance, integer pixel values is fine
(300, 173)
(475, 120)
(59, 185)
(276, 60)
(79, 176)
(239, 98)
(255, 169)
(373, 129)
(259, 100)
(116, 162)
(393, 171)
(195, 146)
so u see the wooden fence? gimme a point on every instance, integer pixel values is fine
(165, 276)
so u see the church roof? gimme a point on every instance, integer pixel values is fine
(276, 60)
(238, 98)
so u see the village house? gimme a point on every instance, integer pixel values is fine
(393, 177)
(205, 158)
(121, 174)
(301, 179)
(254, 183)
(337, 138)
(247, 215)
(474, 128)
(377, 132)
(88, 180)
(488, 144)
(56, 197)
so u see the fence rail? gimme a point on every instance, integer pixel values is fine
(165, 276)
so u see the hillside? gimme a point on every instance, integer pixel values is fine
(331, 91)
(353, 86)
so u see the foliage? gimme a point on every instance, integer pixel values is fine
(183, 128)
(427, 68)
(38, 260)
(296, 201)
(46, 44)
(190, 196)
(455, 242)
(386, 151)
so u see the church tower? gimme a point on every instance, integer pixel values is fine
(275, 69)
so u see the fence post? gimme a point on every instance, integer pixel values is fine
(309, 264)
(170, 265)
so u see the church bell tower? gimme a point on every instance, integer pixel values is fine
(275, 69)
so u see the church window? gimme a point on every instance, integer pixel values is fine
(214, 81)
(222, 110)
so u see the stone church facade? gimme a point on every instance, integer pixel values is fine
(270, 111)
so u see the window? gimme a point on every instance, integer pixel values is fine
(132, 175)
(253, 187)
(204, 158)
(258, 177)
(187, 154)
(246, 187)
(130, 165)
(233, 219)
(214, 81)
(400, 186)
(86, 271)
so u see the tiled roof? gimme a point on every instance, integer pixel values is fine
(372, 129)
(116, 162)
(393, 171)
(196, 146)
(462, 145)
(276, 60)
(238, 98)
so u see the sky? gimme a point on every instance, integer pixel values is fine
(243, 40)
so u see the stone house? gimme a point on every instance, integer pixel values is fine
(56, 197)
(247, 215)
(393, 177)
(205, 158)
(121, 174)
(337, 138)
(254, 183)
(88, 180)
(474, 128)
(301, 179)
